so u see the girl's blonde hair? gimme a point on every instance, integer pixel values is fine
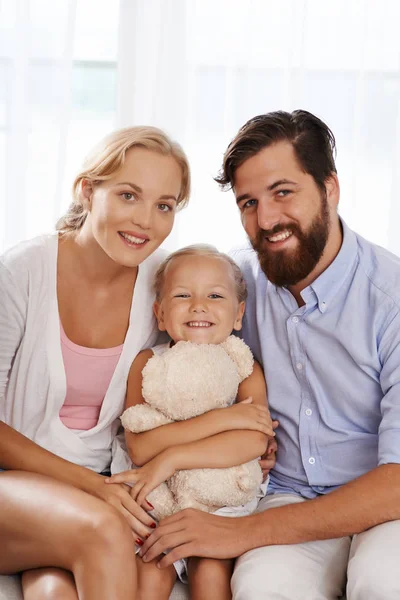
(200, 250)
(109, 155)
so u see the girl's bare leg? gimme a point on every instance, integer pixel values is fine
(210, 578)
(45, 523)
(154, 583)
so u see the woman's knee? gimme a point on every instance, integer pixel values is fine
(107, 529)
(47, 584)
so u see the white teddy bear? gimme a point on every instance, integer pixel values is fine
(186, 381)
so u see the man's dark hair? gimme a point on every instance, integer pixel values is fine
(312, 140)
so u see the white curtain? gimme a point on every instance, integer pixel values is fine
(57, 97)
(201, 68)
(72, 70)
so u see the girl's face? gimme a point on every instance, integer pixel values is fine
(199, 301)
(132, 213)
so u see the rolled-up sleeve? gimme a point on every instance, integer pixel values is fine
(389, 430)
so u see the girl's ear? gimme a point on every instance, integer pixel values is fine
(239, 317)
(159, 314)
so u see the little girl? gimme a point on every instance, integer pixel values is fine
(200, 297)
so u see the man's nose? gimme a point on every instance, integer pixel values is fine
(268, 214)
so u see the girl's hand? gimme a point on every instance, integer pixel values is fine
(118, 495)
(245, 415)
(147, 478)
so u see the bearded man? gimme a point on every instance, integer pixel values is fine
(323, 318)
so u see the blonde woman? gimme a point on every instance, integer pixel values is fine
(75, 309)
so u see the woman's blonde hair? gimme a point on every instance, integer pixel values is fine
(200, 250)
(109, 155)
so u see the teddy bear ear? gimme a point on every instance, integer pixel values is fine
(241, 355)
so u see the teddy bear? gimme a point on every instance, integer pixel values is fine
(188, 380)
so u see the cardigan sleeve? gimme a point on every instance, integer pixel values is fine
(13, 309)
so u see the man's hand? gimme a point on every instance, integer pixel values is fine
(147, 478)
(268, 459)
(196, 533)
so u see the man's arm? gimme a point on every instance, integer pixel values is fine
(371, 499)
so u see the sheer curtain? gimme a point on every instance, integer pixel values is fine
(58, 65)
(72, 70)
(201, 68)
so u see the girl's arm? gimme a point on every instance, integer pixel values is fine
(253, 416)
(225, 449)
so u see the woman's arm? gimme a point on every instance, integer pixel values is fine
(17, 452)
(253, 416)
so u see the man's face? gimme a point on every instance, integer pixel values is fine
(286, 216)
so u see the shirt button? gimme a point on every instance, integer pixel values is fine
(308, 412)
(299, 366)
(295, 319)
(311, 460)
(320, 488)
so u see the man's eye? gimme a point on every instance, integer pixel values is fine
(249, 204)
(283, 193)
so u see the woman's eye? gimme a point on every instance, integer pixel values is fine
(165, 208)
(127, 196)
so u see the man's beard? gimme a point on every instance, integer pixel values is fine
(288, 267)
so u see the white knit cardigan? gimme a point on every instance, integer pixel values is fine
(32, 376)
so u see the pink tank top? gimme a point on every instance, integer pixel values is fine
(88, 372)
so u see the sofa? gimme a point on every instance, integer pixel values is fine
(10, 589)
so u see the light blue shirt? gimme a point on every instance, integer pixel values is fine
(332, 367)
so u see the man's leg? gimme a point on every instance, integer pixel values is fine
(309, 571)
(373, 570)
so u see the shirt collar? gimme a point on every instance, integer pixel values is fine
(326, 286)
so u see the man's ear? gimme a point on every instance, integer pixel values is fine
(332, 190)
(239, 317)
(159, 314)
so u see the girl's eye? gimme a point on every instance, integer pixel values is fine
(181, 296)
(165, 208)
(249, 204)
(128, 196)
(215, 296)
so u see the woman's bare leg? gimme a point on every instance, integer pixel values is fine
(154, 583)
(49, 583)
(45, 523)
(210, 578)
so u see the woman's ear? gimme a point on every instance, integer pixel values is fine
(86, 192)
(159, 314)
(239, 317)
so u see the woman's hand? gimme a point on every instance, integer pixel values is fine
(119, 496)
(245, 415)
(147, 478)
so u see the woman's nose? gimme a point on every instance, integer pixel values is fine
(142, 215)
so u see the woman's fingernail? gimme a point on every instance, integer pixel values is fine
(151, 506)
(153, 525)
(147, 536)
(139, 542)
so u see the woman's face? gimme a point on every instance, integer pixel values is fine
(132, 213)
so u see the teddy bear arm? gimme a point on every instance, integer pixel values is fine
(143, 417)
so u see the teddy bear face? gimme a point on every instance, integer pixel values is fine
(190, 379)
